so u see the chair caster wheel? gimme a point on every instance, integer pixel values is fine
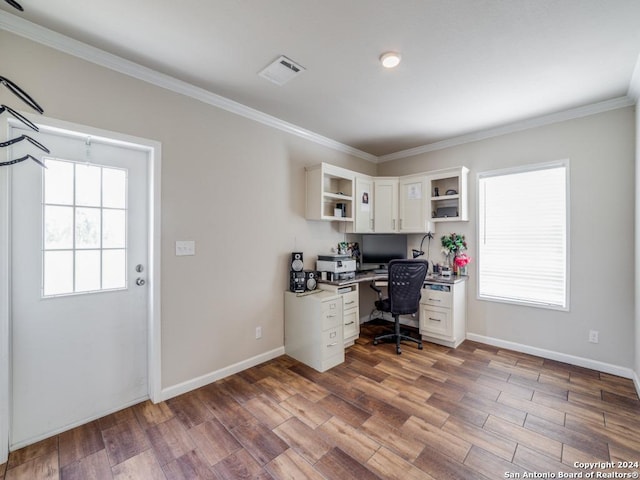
(375, 342)
(398, 351)
(419, 346)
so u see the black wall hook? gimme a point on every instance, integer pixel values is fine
(15, 5)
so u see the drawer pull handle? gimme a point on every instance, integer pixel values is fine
(435, 319)
(332, 344)
(331, 316)
(350, 323)
(350, 303)
(434, 299)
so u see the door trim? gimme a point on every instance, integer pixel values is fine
(154, 159)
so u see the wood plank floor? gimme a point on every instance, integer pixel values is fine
(476, 412)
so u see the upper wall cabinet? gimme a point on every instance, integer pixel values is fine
(329, 191)
(414, 196)
(386, 204)
(449, 198)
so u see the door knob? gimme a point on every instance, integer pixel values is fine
(140, 281)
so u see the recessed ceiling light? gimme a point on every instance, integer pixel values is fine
(390, 59)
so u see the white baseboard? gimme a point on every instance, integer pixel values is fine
(560, 357)
(211, 377)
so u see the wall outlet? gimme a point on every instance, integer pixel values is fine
(593, 336)
(258, 332)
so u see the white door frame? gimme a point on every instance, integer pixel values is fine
(153, 302)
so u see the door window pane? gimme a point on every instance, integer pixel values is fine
(114, 188)
(58, 188)
(85, 228)
(58, 227)
(88, 185)
(87, 270)
(58, 272)
(113, 228)
(113, 269)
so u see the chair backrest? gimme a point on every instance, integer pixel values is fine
(406, 278)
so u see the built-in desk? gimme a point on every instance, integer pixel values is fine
(442, 317)
(320, 324)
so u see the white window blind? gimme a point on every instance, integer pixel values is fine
(522, 244)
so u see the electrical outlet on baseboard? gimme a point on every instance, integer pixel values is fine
(593, 336)
(258, 332)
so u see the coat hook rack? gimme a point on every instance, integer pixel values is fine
(26, 98)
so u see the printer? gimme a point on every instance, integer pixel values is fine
(336, 267)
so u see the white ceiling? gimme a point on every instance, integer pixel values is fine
(467, 65)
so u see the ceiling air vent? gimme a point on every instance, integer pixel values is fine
(281, 71)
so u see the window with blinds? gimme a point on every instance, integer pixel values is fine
(522, 235)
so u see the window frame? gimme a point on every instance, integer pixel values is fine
(564, 163)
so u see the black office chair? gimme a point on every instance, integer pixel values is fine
(406, 278)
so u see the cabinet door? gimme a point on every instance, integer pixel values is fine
(364, 205)
(413, 198)
(385, 214)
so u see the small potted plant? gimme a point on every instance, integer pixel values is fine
(453, 246)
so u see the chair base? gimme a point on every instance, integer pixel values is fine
(398, 337)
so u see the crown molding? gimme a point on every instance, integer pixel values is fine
(565, 115)
(49, 38)
(37, 33)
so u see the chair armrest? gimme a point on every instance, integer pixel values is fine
(373, 287)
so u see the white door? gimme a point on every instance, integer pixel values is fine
(79, 319)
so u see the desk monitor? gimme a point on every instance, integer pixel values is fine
(379, 249)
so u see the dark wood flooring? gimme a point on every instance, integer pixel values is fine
(476, 412)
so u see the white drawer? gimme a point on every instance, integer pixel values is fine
(331, 313)
(350, 300)
(332, 343)
(351, 323)
(435, 321)
(437, 298)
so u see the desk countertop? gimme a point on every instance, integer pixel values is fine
(382, 277)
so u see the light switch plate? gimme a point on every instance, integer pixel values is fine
(185, 247)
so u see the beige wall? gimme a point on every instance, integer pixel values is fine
(233, 185)
(601, 153)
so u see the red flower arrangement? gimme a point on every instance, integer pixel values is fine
(461, 260)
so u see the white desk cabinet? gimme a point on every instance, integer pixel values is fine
(313, 329)
(443, 313)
